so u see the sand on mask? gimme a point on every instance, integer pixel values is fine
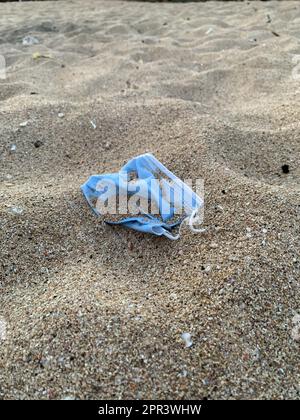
(145, 196)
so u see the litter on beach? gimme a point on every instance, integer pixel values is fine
(29, 40)
(37, 55)
(145, 196)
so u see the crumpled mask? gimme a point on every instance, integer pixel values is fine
(145, 196)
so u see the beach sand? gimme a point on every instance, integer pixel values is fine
(89, 311)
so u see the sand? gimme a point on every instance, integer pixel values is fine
(93, 311)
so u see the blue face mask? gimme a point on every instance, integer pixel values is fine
(144, 195)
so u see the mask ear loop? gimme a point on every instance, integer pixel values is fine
(170, 236)
(190, 220)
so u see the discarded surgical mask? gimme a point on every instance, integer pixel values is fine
(144, 195)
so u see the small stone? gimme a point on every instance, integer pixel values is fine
(285, 169)
(38, 144)
(183, 374)
(296, 329)
(30, 40)
(44, 362)
(256, 354)
(187, 338)
(16, 210)
(219, 208)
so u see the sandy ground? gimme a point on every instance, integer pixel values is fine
(90, 311)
